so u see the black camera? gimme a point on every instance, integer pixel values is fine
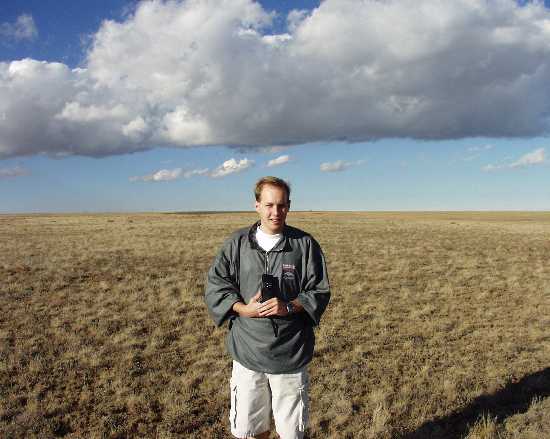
(270, 287)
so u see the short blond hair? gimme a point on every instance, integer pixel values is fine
(271, 181)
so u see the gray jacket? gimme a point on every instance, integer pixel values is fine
(236, 275)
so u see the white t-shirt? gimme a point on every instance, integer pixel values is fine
(266, 241)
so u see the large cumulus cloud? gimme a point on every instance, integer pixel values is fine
(204, 72)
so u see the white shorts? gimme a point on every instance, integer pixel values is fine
(255, 394)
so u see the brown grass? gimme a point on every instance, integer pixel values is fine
(438, 326)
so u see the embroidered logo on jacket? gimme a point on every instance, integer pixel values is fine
(288, 271)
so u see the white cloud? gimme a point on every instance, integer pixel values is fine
(276, 40)
(231, 166)
(490, 168)
(270, 149)
(295, 18)
(536, 157)
(17, 171)
(281, 160)
(336, 166)
(23, 28)
(191, 173)
(475, 152)
(345, 71)
(480, 148)
(161, 175)
(170, 174)
(75, 112)
(135, 129)
(339, 165)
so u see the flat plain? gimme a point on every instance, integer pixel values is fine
(438, 327)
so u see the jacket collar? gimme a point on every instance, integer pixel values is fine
(283, 244)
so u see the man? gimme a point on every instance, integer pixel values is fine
(271, 340)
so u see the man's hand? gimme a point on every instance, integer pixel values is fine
(249, 310)
(273, 307)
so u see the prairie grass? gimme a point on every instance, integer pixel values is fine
(437, 328)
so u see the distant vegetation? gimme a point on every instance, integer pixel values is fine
(438, 326)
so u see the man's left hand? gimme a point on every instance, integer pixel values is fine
(273, 307)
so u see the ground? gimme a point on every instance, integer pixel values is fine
(437, 327)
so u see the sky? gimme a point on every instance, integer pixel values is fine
(123, 106)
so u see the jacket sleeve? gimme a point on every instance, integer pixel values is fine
(315, 293)
(222, 290)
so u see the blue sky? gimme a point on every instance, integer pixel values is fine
(360, 107)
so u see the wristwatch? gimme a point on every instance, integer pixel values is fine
(290, 308)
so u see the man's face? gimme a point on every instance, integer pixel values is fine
(272, 208)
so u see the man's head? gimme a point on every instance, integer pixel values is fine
(272, 203)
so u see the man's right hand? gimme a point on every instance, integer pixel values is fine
(250, 309)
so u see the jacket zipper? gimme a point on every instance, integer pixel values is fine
(273, 323)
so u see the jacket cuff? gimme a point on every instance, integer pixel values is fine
(310, 308)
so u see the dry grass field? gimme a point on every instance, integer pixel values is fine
(439, 326)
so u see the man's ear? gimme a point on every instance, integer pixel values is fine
(257, 206)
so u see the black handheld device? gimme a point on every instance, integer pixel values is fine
(270, 287)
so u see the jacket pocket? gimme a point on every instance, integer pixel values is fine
(289, 285)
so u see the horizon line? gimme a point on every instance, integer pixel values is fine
(214, 212)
